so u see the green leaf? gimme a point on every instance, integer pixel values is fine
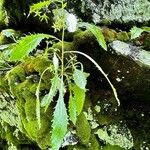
(55, 84)
(96, 32)
(72, 109)
(26, 45)
(60, 122)
(136, 32)
(79, 78)
(39, 6)
(146, 29)
(79, 96)
(9, 32)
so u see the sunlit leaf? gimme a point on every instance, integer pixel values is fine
(39, 6)
(79, 78)
(96, 32)
(60, 122)
(55, 84)
(136, 32)
(79, 96)
(26, 45)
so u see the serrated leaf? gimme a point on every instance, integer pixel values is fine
(79, 78)
(79, 95)
(72, 109)
(26, 45)
(55, 83)
(136, 32)
(40, 5)
(96, 32)
(60, 122)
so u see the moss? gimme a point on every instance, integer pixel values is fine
(2, 14)
(21, 80)
(94, 144)
(109, 34)
(26, 103)
(37, 64)
(110, 147)
(68, 46)
(83, 37)
(83, 129)
(146, 42)
(77, 147)
(3, 39)
(122, 36)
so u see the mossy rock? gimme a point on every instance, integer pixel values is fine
(23, 85)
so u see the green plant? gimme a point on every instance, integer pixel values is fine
(67, 77)
(136, 32)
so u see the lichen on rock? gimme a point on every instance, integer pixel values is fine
(122, 11)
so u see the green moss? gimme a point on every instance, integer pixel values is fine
(77, 147)
(110, 147)
(109, 34)
(83, 37)
(26, 103)
(68, 46)
(94, 144)
(2, 14)
(146, 42)
(83, 129)
(122, 36)
(21, 80)
(37, 64)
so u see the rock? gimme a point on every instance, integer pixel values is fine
(140, 56)
(15, 13)
(122, 11)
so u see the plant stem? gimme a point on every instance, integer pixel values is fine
(62, 53)
(100, 69)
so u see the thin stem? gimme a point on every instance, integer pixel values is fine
(100, 69)
(62, 53)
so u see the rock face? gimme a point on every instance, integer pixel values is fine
(122, 11)
(103, 12)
